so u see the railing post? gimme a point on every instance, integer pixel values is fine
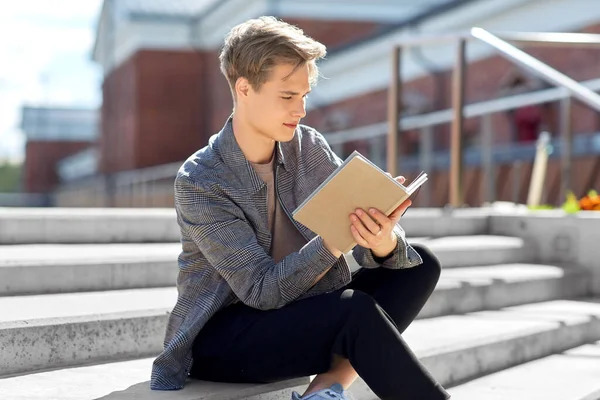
(488, 172)
(538, 172)
(456, 142)
(426, 161)
(394, 106)
(566, 135)
(517, 170)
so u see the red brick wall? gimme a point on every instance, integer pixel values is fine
(119, 122)
(335, 33)
(171, 106)
(157, 109)
(221, 102)
(41, 158)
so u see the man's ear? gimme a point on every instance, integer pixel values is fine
(242, 88)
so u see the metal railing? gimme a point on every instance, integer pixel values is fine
(145, 180)
(500, 42)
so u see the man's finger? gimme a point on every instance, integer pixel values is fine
(368, 222)
(359, 239)
(379, 217)
(400, 179)
(397, 213)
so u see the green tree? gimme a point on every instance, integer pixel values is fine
(10, 176)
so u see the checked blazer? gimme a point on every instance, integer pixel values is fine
(221, 206)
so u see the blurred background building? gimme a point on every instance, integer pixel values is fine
(163, 94)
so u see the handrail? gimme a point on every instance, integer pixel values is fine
(538, 38)
(555, 39)
(445, 116)
(458, 114)
(539, 68)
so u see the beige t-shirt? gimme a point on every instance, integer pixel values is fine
(286, 238)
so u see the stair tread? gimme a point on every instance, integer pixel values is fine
(480, 242)
(426, 337)
(53, 254)
(119, 381)
(15, 308)
(506, 273)
(65, 305)
(572, 374)
(454, 332)
(76, 254)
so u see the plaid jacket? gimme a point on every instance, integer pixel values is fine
(221, 208)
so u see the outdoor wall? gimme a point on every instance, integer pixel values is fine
(156, 110)
(335, 33)
(41, 158)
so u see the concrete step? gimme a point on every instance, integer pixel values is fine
(574, 374)
(464, 290)
(157, 225)
(50, 331)
(69, 268)
(460, 290)
(478, 250)
(88, 225)
(438, 222)
(489, 341)
(455, 349)
(65, 268)
(128, 380)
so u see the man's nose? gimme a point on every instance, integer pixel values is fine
(300, 111)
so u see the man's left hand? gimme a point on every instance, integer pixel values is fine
(374, 230)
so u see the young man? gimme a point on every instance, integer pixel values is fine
(262, 298)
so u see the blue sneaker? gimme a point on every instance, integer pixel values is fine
(335, 392)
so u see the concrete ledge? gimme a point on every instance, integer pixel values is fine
(467, 251)
(569, 375)
(494, 340)
(142, 225)
(87, 225)
(438, 222)
(40, 269)
(454, 349)
(61, 268)
(556, 237)
(127, 380)
(466, 290)
(59, 342)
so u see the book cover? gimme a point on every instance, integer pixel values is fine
(357, 183)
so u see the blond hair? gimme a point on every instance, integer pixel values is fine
(253, 48)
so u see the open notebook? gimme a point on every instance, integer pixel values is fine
(357, 183)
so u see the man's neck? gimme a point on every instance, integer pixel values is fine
(257, 148)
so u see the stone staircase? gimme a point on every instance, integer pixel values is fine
(84, 297)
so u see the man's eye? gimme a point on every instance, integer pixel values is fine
(287, 98)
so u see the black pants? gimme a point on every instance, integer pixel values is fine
(361, 322)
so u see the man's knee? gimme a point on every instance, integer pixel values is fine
(431, 265)
(359, 301)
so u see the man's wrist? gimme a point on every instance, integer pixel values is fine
(387, 248)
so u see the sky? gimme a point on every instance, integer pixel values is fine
(45, 58)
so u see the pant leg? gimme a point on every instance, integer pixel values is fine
(402, 293)
(241, 344)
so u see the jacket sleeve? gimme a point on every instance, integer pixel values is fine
(223, 235)
(403, 256)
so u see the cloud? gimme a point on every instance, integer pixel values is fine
(46, 50)
(52, 11)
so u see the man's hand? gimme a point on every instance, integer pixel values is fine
(373, 230)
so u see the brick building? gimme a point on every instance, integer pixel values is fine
(163, 94)
(53, 135)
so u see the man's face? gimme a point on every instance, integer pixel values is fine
(277, 107)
